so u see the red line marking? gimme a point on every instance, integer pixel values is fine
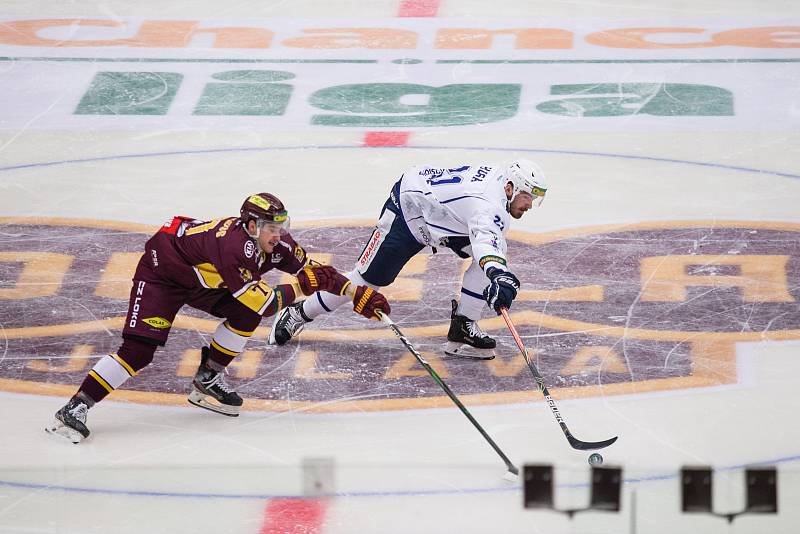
(294, 516)
(418, 8)
(386, 138)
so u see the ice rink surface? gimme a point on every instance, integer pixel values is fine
(661, 276)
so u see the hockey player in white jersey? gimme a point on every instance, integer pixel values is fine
(466, 209)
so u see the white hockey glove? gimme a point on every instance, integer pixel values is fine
(502, 289)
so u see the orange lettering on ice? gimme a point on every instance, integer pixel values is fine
(526, 38)
(181, 34)
(355, 38)
(638, 38)
(151, 34)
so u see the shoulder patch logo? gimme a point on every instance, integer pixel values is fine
(249, 249)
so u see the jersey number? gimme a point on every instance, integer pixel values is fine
(451, 180)
(454, 178)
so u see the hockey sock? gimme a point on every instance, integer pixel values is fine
(471, 303)
(112, 370)
(227, 343)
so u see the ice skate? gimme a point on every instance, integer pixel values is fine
(467, 340)
(288, 323)
(70, 421)
(210, 391)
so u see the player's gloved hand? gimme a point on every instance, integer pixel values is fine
(322, 278)
(368, 302)
(502, 289)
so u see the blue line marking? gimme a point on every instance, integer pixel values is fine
(505, 489)
(350, 147)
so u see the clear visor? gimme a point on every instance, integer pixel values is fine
(275, 228)
(538, 195)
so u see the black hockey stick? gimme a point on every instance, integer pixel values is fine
(575, 442)
(513, 472)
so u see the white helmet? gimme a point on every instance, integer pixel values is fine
(527, 177)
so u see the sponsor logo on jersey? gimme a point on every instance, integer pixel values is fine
(245, 274)
(624, 309)
(249, 248)
(157, 322)
(374, 242)
(136, 305)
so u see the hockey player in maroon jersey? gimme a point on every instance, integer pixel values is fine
(215, 267)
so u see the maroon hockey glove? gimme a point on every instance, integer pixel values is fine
(322, 278)
(369, 302)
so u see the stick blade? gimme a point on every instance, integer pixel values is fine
(590, 445)
(512, 475)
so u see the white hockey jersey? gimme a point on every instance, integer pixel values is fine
(440, 204)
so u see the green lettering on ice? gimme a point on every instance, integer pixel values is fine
(662, 99)
(246, 92)
(130, 93)
(404, 104)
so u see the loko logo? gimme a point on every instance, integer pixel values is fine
(604, 310)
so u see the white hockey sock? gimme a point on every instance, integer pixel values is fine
(471, 303)
(321, 302)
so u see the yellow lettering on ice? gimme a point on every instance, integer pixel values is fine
(408, 365)
(73, 363)
(306, 367)
(41, 276)
(594, 359)
(762, 278)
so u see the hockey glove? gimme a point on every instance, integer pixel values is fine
(368, 302)
(502, 289)
(322, 278)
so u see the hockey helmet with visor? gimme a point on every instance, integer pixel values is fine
(266, 210)
(527, 177)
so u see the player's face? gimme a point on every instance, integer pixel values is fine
(521, 203)
(269, 236)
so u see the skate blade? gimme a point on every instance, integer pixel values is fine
(208, 402)
(57, 428)
(271, 337)
(462, 350)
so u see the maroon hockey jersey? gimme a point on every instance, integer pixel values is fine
(220, 254)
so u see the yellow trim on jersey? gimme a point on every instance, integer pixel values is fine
(208, 275)
(200, 228)
(222, 349)
(101, 381)
(343, 292)
(257, 297)
(235, 331)
(123, 363)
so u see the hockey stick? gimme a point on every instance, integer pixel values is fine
(512, 472)
(575, 442)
